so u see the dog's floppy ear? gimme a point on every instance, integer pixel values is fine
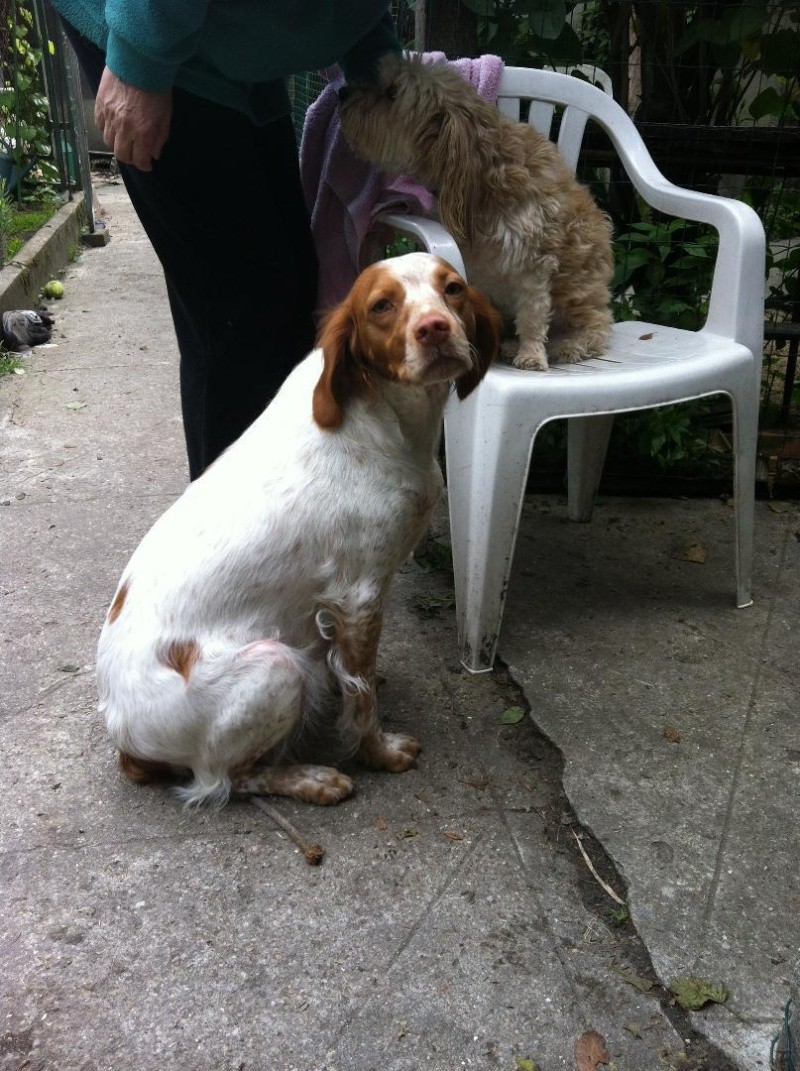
(343, 373)
(331, 391)
(485, 339)
(455, 155)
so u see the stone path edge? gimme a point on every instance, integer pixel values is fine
(42, 257)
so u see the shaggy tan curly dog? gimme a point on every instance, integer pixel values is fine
(532, 237)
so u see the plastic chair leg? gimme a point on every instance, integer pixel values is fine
(587, 443)
(487, 464)
(745, 443)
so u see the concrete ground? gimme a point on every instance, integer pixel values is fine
(455, 922)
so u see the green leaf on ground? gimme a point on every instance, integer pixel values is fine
(693, 993)
(512, 716)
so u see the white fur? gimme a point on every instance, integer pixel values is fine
(271, 570)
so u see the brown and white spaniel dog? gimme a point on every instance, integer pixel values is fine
(251, 612)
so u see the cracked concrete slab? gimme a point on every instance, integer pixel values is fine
(677, 718)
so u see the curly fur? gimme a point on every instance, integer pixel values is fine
(532, 237)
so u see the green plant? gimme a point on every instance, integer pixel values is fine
(741, 44)
(673, 436)
(620, 915)
(24, 111)
(24, 221)
(521, 31)
(676, 439)
(663, 273)
(786, 262)
(8, 363)
(6, 221)
(399, 246)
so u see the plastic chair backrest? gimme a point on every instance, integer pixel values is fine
(513, 91)
(541, 112)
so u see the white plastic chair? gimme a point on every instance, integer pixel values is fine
(489, 436)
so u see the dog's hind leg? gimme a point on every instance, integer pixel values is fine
(581, 321)
(244, 704)
(323, 785)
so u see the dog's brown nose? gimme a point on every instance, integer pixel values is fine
(432, 330)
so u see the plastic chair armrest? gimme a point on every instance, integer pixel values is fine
(736, 305)
(430, 234)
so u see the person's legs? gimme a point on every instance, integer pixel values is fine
(225, 212)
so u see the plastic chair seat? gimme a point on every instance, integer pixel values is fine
(649, 363)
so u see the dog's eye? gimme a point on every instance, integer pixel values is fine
(382, 305)
(454, 288)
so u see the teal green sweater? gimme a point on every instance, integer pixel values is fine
(235, 52)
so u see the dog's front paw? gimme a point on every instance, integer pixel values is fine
(394, 752)
(531, 356)
(322, 785)
(568, 351)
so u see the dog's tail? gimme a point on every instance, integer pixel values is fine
(200, 791)
(205, 791)
(205, 788)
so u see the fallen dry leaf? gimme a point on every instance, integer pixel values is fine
(644, 985)
(696, 552)
(672, 734)
(452, 835)
(590, 1051)
(479, 783)
(719, 441)
(644, 338)
(381, 823)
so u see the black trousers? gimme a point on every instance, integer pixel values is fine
(225, 212)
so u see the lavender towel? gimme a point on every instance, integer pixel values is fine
(344, 194)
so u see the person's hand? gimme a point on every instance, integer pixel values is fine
(133, 122)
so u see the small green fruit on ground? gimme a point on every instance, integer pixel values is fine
(53, 289)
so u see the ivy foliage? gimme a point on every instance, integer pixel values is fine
(25, 126)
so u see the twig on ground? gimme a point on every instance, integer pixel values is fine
(588, 862)
(313, 852)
